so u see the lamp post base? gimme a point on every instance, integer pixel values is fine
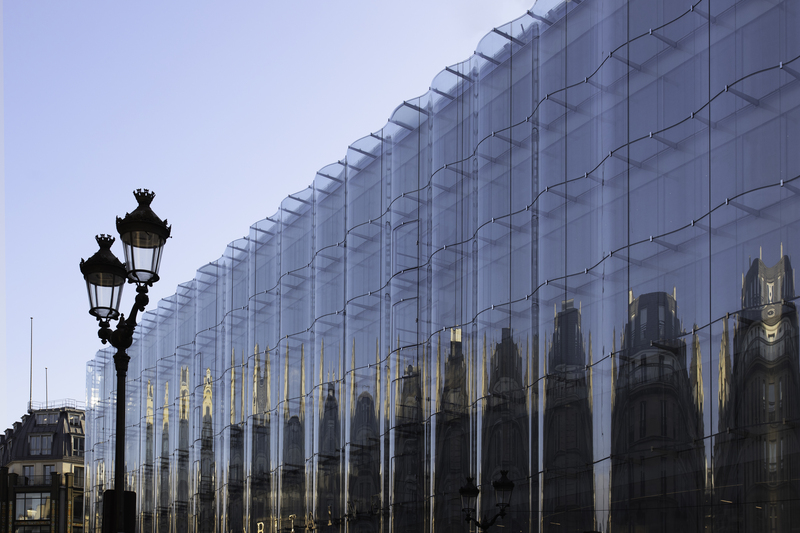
(109, 512)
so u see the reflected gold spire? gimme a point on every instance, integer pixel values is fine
(183, 412)
(149, 414)
(233, 386)
(387, 412)
(527, 380)
(208, 407)
(286, 384)
(165, 413)
(267, 383)
(377, 378)
(241, 391)
(321, 365)
(438, 372)
(591, 375)
(396, 382)
(256, 376)
(485, 384)
(353, 380)
(724, 378)
(696, 369)
(470, 371)
(613, 368)
(302, 383)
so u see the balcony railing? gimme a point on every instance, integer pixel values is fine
(57, 404)
(32, 481)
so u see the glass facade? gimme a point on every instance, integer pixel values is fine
(570, 260)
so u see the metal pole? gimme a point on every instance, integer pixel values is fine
(30, 400)
(46, 390)
(121, 360)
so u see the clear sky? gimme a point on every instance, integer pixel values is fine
(221, 108)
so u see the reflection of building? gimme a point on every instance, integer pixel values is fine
(364, 489)
(147, 491)
(261, 477)
(758, 447)
(235, 474)
(657, 472)
(505, 432)
(329, 471)
(206, 482)
(409, 463)
(293, 478)
(163, 509)
(452, 438)
(42, 473)
(568, 500)
(181, 498)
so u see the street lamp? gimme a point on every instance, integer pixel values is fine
(503, 488)
(143, 236)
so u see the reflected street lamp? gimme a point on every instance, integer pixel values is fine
(143, 236)
(503, 488)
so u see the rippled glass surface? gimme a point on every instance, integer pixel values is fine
(569, 262)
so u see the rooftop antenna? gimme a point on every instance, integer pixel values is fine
(30, 400)
(46, 395)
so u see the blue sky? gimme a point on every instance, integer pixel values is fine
(222, 109)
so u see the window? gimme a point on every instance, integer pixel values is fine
(77, 509)
(44, 419)
(27, 473)
(75, 419)
(40, 444)
(77, 446)
(33, 506)
(48, 469)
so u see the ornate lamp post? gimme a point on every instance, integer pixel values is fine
(143, 236)
(503, 488)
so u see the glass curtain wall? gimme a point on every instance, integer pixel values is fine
(569, 262)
